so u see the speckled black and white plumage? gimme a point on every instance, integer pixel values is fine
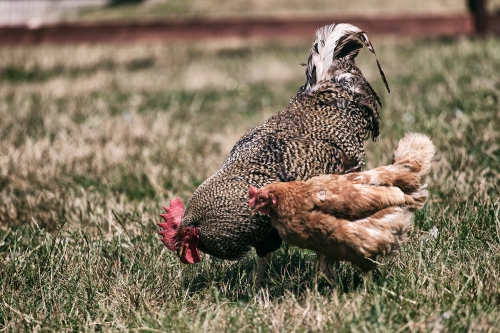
(321, 131)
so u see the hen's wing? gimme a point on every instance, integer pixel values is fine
(342, 198)
(391, 175)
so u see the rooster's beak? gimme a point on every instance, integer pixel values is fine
(253, 212)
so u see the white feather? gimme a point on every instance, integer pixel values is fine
(325, 47)
(330, 36)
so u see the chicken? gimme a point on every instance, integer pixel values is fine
(321, 131)
(353, 217)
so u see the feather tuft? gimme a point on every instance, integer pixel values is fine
(332, 42)
(415, 151)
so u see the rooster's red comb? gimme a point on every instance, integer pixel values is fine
(172, 217)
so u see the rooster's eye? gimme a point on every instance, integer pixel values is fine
(261, 198)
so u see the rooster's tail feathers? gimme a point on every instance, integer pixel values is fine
(415, 151)
(332, 42)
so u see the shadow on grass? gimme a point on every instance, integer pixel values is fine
(291, 271)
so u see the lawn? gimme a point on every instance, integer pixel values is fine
(96, 138)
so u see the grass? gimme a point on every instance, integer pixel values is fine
(95, 139)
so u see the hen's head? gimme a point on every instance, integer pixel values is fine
(260, 200)
(183, 240)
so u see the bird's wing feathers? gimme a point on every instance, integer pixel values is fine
(344, 199)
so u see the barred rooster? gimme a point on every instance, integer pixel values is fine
(321, 131)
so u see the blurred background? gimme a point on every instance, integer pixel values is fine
(383, 16)
(43, 11)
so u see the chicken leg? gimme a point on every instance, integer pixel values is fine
(326, 266)
(260, 270)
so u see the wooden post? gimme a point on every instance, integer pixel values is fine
(477, 9)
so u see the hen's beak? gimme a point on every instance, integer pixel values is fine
(253, 212)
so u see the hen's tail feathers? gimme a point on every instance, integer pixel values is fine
(332, 42)
(419, 197)
(415, 151)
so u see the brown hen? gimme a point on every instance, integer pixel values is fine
(353, 217)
